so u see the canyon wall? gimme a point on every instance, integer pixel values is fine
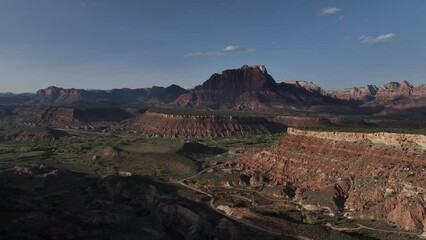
(356, 175)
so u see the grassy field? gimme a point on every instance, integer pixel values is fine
(152, 145)
(260, 140)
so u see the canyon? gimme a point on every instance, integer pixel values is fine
(240, 156)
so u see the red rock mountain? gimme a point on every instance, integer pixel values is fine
(247, 88)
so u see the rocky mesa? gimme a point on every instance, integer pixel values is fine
(193, 126)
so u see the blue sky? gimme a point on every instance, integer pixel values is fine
(104, 44)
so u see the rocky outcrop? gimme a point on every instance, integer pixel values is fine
(394, 90)
(356, 175)
(191, 126)
(310, 86)
(378, 137)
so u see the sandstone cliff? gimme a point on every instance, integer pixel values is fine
(378, 137)
(362, 176)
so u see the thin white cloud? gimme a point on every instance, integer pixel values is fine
(224, 51)
(231, 48)
(390, 37)
(330, 10)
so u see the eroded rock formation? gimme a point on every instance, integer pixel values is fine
(248, 88)
(363, 176)
(190, 126)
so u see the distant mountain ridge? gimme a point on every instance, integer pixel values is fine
(388, 95)
(60, 96)
(245, 88)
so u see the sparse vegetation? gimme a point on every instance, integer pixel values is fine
(260, 140)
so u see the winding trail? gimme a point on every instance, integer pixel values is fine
(211, 204)
(360, 227)
(329, 225)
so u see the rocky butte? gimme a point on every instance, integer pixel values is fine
(248, 88)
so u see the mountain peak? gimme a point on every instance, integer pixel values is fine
(262, 68)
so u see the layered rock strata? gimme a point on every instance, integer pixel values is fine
(361, 176)
(378, 137)
(190, 126)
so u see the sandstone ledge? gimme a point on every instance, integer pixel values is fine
(378, 137)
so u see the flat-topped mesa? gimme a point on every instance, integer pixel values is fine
(193, 116)
(198, 126)
(240, 80)
(378, 137)
(245, 87)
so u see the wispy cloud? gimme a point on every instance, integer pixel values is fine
(330, 10)
(390, 37)
(231, 48)
(224, 51)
